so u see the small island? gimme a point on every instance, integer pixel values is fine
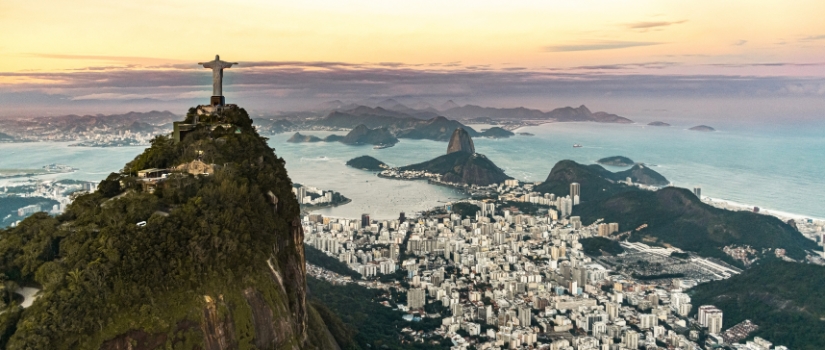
(702, 128)
(526, 134)
(299, 138)
(617, 161)
(497, 133)
(658, 123)
(367, 163)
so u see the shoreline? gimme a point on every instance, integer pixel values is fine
(733, 205)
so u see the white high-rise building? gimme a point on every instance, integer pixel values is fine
(647, 321)
(416, 298)
(714, 321)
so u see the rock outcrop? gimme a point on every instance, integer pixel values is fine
(460, 141)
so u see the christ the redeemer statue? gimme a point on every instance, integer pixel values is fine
(217, 67)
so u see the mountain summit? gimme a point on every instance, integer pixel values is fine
(460, 141)
(166, 256)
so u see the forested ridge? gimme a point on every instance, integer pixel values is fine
(784, 299)
(208, 244)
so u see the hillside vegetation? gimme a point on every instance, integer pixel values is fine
(219, 263)
(784, 299)
(463, 167)
(676, 216)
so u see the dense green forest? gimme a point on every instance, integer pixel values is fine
(102, 275)
(600, 245)
(465, 209)
(676, 216)
(368, 324)
(784, 299)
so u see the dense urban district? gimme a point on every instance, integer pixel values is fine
(522, 271)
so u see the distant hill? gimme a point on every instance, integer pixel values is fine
(616, 161)
(703, 128)
(657, 123)
(300, 138)
(642, 174)
(596, 182)
(364, 135)
(676, 216)
(6, 137)
(367, 163)
(784, 299)
(464, 168)
(564, 114)
(497, 133)
(438, 129)
(280, 125)
(448, 105)
(403, 125)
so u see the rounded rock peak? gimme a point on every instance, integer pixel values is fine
(461, 141)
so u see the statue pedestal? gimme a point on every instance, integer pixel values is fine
(217, 101)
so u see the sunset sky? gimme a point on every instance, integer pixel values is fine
(90, 50)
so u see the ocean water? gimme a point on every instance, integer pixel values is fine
(778, 167)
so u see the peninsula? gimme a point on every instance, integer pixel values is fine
(460, 166)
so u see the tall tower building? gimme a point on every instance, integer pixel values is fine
(575, 192)
(365, 220)
(697, 191)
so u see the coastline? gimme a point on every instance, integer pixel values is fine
(324, 206)
(737, 206)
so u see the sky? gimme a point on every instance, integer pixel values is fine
(89, 56)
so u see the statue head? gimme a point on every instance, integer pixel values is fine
(217, 57)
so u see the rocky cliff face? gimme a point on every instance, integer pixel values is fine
(219, 263)
(460, 141)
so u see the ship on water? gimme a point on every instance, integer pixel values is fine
(577, 145)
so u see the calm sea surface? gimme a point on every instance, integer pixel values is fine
(779, 167)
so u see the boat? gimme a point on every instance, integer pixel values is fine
(381, 146)
(577, 146)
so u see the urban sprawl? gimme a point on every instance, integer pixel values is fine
(504, 279)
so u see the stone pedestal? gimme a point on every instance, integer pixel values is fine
(217, 101)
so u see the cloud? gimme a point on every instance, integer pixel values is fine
(648, 65)
(767, 64)
(645, 26)
(598, 45)
(813, 38)
(278, 85)
(131, 59)
(740, 43)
